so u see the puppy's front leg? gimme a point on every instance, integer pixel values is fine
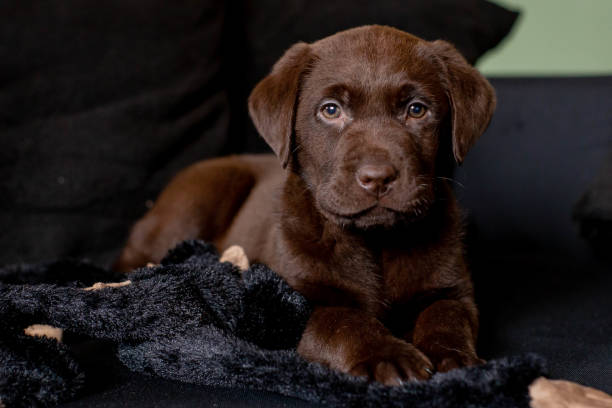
(352, 341)
(446, 332)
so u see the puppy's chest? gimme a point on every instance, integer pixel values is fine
(406, 275)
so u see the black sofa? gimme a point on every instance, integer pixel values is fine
(540, 286)
(534, 188)
(91, 133)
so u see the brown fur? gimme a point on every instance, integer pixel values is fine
(363, 222)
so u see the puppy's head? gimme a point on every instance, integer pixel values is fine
(360, 116)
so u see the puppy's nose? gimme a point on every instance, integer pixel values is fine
(376, 179)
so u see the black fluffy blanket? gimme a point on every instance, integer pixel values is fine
(197, 320)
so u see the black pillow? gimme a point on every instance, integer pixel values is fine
(100, 103)
(272, 26)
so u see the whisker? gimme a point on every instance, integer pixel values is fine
(297, 147)
(452, 180)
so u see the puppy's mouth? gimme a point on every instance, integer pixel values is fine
(352, 214)
(366, 211)
(375, 215)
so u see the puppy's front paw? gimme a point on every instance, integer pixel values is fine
(446, 359)
(394, 362)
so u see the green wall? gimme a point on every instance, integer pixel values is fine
(554, 37)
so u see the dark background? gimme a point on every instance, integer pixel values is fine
(101, 103)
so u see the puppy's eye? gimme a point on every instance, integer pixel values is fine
(417, 110)
(331, 110)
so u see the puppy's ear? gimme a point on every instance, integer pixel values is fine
(471, 97)
(273, 102)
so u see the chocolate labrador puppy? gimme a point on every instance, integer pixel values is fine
(363, 221)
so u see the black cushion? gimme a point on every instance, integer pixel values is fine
(100, 103)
